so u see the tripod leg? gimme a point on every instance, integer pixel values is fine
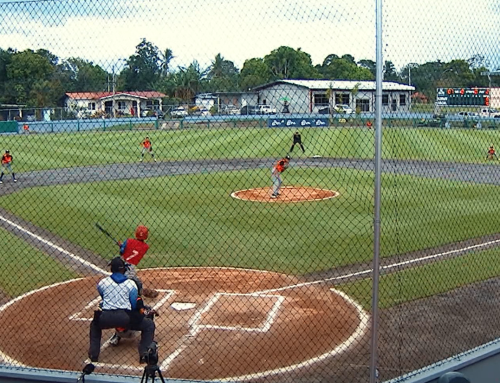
(161, 376)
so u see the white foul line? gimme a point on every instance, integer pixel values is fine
(54, 246)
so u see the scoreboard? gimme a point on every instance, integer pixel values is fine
(463, 96)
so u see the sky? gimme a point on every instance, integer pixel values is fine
(107, 31)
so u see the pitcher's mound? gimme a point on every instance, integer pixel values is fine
(287, 194)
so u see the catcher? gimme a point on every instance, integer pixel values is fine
(147, 146)
(278, 168)
(491, 153)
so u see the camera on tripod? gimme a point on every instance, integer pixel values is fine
(151, 357)
(151, 369)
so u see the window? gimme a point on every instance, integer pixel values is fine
(320, 99)
(363, 105)
(152, 104)
(342, 98)
(385, 99)
(402, 99)
(121, 105)
(91, 106)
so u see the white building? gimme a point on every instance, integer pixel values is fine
(310, 96)
(89, 104)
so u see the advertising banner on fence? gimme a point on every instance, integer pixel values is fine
(297, 122)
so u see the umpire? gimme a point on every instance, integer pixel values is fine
(297, 139)
(121, 307)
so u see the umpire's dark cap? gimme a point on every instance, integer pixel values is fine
(117, 264)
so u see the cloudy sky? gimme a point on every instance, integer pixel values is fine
(105, 31)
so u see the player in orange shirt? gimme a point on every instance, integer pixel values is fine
(491, 153)
(278, 168)
(7, 160)
(147, 146)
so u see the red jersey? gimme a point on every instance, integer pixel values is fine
(491, 151)
(6, 158)
(146, 144)
(132, 250)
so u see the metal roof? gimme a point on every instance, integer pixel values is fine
(340, 85)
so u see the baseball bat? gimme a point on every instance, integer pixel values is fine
(104, 231)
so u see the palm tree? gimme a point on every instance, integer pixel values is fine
(167, 56)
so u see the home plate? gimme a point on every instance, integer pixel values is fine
(182, 306)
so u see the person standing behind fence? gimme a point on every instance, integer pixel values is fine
(147, 146)
(7, 160)
(297, 139)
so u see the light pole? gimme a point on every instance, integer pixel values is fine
(409, 72)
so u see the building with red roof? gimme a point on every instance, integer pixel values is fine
(114, 104)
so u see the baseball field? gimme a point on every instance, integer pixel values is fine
(438, 194)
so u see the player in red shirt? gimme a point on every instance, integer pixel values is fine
(147, 146)
(132, 251)
(7, 160)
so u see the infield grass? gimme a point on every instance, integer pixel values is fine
(194, 221)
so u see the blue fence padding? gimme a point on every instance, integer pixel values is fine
(60, 126)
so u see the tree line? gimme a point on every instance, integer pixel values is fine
(41, 79)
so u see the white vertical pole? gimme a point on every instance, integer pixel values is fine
(376, 221)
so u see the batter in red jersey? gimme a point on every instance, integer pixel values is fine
(132, 251)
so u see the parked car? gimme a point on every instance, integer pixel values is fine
(179, 112)
(468, 114)
(325, 110)
(231, 110)
(248, 109)
(265, 109)
(344, 109)
(152, 112)
(200, 111)
(489, 112)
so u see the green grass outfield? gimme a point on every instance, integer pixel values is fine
(195, 222)
(48, 151)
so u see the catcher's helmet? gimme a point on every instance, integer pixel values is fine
(117, 265)
(141, 232)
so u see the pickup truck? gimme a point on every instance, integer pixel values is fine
(489, 112)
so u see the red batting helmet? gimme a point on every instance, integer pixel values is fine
(141, 232)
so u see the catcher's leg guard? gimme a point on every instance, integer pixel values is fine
(149, 293)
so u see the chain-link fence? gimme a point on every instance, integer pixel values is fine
(225, 152)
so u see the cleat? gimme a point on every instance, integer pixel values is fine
(115, 340)
(273, 196)
(15, 180)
